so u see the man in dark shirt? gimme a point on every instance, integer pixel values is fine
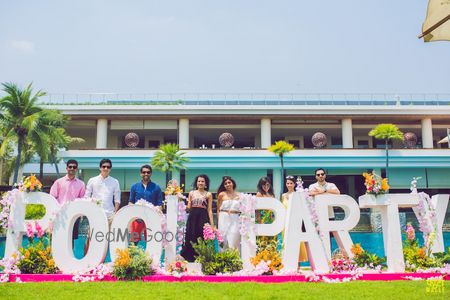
(148, 191)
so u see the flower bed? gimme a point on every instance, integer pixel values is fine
(262, 278)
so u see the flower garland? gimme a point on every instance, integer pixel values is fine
(247, 216)
(426, 215)
(311, 204)
(181, 225)
(6, 201)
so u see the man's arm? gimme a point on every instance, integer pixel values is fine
(89, 188)
(132, 198)
(82, 191)
(333, 190)
(117, 196)
(54, 190)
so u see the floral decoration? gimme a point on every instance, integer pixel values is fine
(132, 263)
(375, 184)
(31, 184)
(5, 208)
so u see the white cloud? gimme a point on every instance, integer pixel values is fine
(22, 45)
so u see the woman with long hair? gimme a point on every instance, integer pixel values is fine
(228, 210)
(200, 213)
(264, 189)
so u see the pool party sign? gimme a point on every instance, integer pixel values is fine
(302, 209)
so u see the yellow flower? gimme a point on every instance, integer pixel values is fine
(27, 253)
(123, 258)
(357, 250)
(51, 263)
(384, 184)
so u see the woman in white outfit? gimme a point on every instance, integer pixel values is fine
(228, 210)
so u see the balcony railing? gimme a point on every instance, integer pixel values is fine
(244, 99)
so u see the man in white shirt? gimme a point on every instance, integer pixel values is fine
(323, 187)
(105, 188)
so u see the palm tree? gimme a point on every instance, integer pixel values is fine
(169, 158)
(20, 113)
(386, 132)
(49, 136)
(281, 148)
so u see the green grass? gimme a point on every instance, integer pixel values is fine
(199, 290)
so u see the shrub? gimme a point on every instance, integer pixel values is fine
(228, 261)
(37, 259)
(363, 258)
(132, 263)
(268, 256)
(34, 211)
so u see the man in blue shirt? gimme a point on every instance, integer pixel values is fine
(148, 191)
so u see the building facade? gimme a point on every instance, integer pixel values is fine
(256, 121)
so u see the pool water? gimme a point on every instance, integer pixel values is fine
(370, 241)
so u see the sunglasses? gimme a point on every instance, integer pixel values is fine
(320, 174)
(106, 167)
(146, 172)
(71, 167)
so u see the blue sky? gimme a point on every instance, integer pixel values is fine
(221, 46)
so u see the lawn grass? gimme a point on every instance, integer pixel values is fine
(200, 290)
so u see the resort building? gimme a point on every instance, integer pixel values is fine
(129, 128)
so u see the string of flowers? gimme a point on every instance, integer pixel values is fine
(181, 225)
(426, 215)
(5, 208)
(311, 204)
(247, 216)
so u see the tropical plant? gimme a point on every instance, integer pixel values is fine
(363, 258)
(214, 262)
(132, 263)
(169, 158)
(281, 148)
(271, 257)
(37, 259)
(386, 132)
(50, 136)
(20, 113)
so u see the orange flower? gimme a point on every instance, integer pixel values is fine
(123, 258)
(384, 184)
(357, 250)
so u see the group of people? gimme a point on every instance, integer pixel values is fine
(199, 205)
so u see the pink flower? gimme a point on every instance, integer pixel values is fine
(219, 236)
(208, 232)
(178, 264)
(30, 231)
(39, 230)
(410, 232)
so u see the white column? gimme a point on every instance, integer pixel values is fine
(427, 133)
(266, 133)
(277, 184)
(183, 133)
(102, 134)
(347, 133)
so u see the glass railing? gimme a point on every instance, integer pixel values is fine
(244, 99)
